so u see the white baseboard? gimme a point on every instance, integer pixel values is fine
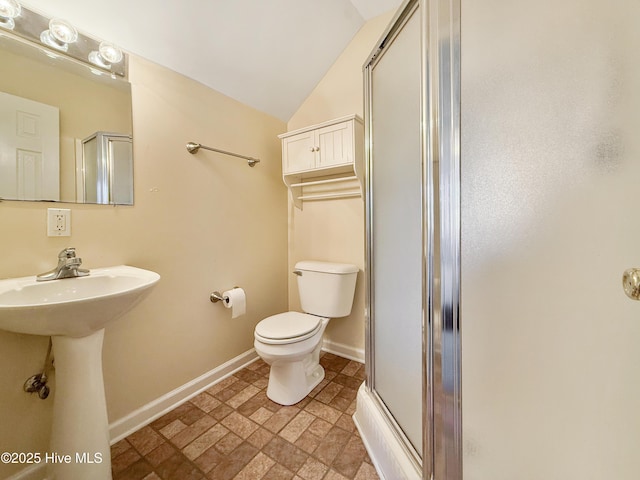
(146, 414)
(389, 456)
(342, 350)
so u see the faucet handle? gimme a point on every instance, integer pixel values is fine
(69, 252)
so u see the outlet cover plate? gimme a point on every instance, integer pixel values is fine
(58, 222)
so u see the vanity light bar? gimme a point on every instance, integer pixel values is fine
(60, 36)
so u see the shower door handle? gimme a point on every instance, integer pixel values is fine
(631, 283)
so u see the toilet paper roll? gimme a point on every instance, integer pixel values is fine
(236, 300)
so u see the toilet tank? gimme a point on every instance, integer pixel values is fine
(326, 289)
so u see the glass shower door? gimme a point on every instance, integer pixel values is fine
(395, 229)
(550, 168)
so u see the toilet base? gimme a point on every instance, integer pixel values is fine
(290, 382)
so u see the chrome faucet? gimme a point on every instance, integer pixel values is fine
(68, 267)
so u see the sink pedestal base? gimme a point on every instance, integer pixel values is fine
(80, 444)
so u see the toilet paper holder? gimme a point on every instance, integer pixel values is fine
(216, 296)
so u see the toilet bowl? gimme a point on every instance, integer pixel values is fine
(290, 342)
(294, 360)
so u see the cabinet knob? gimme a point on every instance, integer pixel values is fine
(312, 149)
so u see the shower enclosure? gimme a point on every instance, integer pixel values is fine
(502, 163)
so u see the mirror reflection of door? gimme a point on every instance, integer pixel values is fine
(29, 149)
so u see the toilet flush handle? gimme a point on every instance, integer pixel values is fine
(297, 272)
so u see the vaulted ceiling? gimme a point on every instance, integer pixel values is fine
(268, 54)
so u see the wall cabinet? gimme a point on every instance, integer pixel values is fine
(318, 148)
(328, 157)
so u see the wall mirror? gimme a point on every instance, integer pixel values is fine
(65, 129)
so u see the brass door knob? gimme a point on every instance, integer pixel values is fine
(631, 283)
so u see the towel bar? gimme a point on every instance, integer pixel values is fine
(193, 148)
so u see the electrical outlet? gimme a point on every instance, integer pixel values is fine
(58, 222)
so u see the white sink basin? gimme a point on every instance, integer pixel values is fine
(73, 307)
(74, 311)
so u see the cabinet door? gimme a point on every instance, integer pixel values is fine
(298, 152)
(335, 144)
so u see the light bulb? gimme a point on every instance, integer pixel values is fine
(63, 31)
(60, 34)
(110, 52)
(106, 55)
(9, 9)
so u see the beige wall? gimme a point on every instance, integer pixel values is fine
(333, 230)
(205, 222)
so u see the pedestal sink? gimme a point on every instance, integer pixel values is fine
(74, 312)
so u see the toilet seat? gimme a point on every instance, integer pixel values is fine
(287, 327)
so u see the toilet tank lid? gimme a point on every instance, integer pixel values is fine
(326, 267)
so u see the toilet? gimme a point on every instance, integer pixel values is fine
(290, 342)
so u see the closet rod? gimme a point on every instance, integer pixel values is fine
(322, 182)
(326, 196)
(193, 147)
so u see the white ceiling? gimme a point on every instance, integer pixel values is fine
(268, 54)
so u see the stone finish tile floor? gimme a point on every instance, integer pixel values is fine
(232, 431)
